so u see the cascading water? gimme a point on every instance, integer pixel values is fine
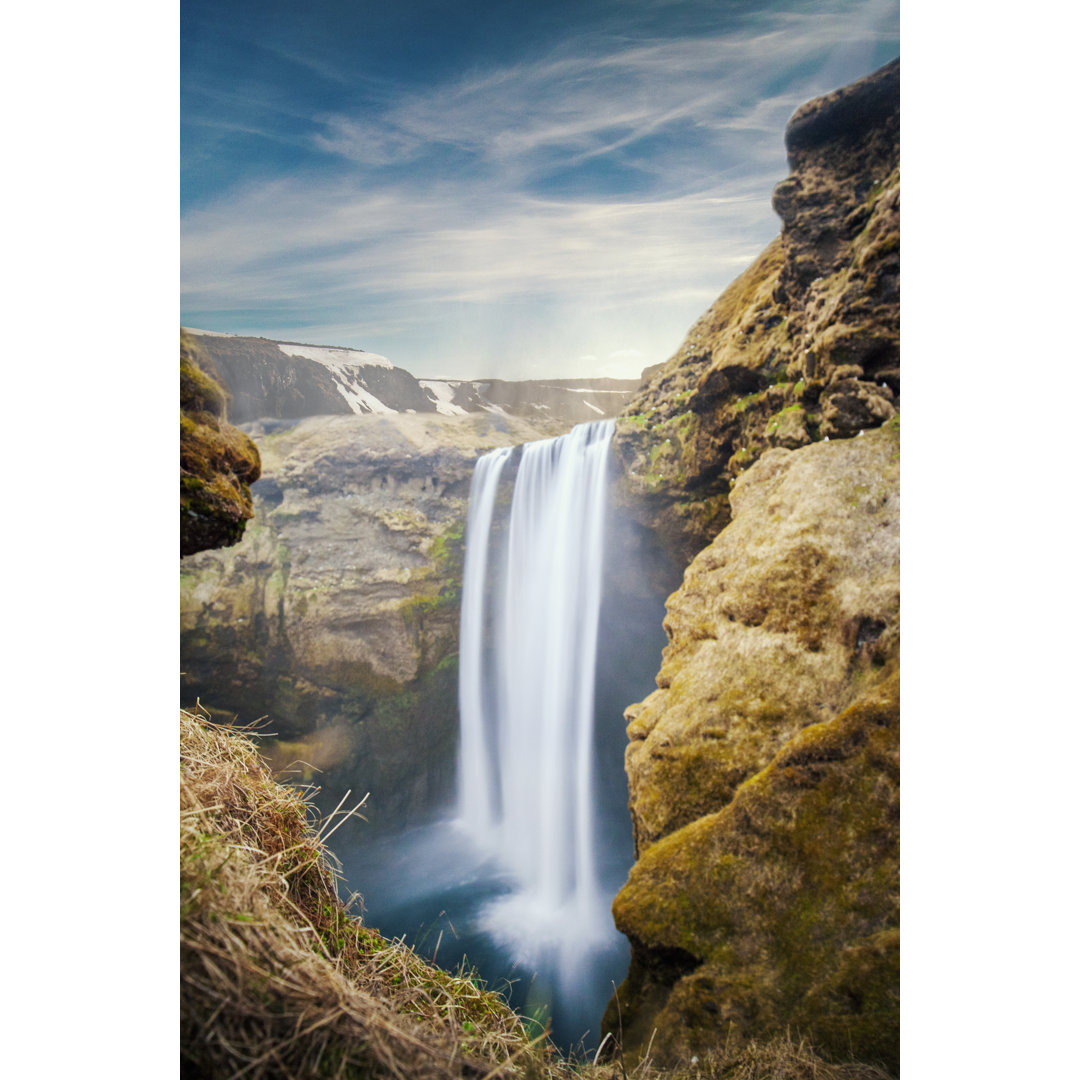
(516, 882)
(529, 622)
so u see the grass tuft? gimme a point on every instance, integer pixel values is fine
(279, 980)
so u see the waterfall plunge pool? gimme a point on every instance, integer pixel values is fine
(563, 604)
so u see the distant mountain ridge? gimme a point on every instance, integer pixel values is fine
(291, 380)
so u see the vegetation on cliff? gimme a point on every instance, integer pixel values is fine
(803, 346)
(278, 980)
(217, 461)
(337, 614)
(764, 770)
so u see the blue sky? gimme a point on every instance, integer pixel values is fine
(481, 189)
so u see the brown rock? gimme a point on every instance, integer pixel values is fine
(764, 771)
(218, 462)
(820, 304)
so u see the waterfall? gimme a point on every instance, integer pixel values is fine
(529, 622)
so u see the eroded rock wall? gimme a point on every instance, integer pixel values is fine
(337, 615)
(803, 345)
(764, 770)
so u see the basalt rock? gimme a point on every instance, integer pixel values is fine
(764, 773)
(218, 462)
(803, 345)
(336, 617)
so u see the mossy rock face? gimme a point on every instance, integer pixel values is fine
(336, 617)
(802, 346)
(218, 462)
(780, 623)
(784, 904)
(764, 773)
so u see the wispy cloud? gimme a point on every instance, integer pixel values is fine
(573, 105)
(457, 217)
(367, 141)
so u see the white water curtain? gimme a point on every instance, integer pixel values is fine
(529, 623)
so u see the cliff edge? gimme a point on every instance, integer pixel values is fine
(804, 345)
(764, 770)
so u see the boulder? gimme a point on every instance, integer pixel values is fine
(218, 462)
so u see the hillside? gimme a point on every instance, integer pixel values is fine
(287, 380)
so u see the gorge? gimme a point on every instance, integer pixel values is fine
(746, 829)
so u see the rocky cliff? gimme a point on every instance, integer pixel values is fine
(218, 463)
(803, 346)
(287, 380)
(337, 615)
(763, 770)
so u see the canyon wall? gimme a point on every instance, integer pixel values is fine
(804, 345)
(336, 617)
(764, 769)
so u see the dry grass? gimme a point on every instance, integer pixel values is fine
(279, 981)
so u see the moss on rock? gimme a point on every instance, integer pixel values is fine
(218, 463)
(785, 902)
(755, 369)
(764, 771)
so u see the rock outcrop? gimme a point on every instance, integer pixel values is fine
(803, 345)
(287, 380)
(218, 463)
(764, 770)
(337, 615)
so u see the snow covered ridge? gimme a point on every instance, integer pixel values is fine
(271, 379)
(205, 333)
(335, 357)
(343, 365)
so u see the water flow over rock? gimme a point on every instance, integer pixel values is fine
(530, 615)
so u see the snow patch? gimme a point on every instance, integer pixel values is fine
(361, 400)
(581, 390)
(442, 394)
(345, 365)
(334, 357)
(590, 405)
(206, 333)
